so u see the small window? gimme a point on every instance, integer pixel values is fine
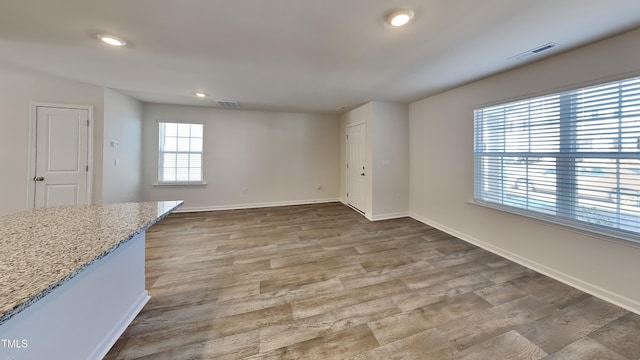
(572, 157)
(180, 153)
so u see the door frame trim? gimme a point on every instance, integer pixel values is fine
(31, 169)
(347, 162)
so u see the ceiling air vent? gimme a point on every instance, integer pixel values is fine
(228, 104)
(535, 51)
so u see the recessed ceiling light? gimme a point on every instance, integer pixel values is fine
(399, 17)
(201, 94)
(112, 40)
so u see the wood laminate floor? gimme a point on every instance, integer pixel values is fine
(322, 282)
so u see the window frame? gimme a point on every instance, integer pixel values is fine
(569, 170)
(159, 152)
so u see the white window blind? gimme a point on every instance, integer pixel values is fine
(571, 157)
(180, 152)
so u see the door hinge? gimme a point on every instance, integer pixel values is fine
(87, 122)
(347, 194)
(87, 168)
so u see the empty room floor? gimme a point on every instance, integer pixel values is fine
(322, 282)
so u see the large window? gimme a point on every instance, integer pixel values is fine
(571, 157)
(180, 153)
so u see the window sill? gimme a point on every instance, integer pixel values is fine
(628, 238)
(181, 184)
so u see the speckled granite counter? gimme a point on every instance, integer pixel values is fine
(42, 249)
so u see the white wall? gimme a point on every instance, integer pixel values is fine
(251, 158)
(17, 89)
(122, 123)
(390, 161)
(441, 176)
(387, 162)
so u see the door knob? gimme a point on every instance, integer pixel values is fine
(39, 178)
(362, 174)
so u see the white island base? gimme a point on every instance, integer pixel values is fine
(85, 316)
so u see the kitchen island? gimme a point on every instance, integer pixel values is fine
(72, 278)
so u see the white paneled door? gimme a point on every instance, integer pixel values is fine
(356, 166)
(61, 157)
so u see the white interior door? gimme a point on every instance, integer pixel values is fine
(356, 166)
(62, 157)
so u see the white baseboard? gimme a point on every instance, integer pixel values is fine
(113, 336)
(255, 205)
(597, 291)
(389, 216)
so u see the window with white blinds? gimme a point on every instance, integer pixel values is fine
(571, 157)
(180, 153)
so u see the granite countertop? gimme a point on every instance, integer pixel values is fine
(43, 248)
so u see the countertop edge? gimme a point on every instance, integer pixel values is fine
(35, 298)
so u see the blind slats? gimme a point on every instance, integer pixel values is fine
(180, 152)
(573, 155)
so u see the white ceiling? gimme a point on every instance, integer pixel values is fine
(294, 55)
